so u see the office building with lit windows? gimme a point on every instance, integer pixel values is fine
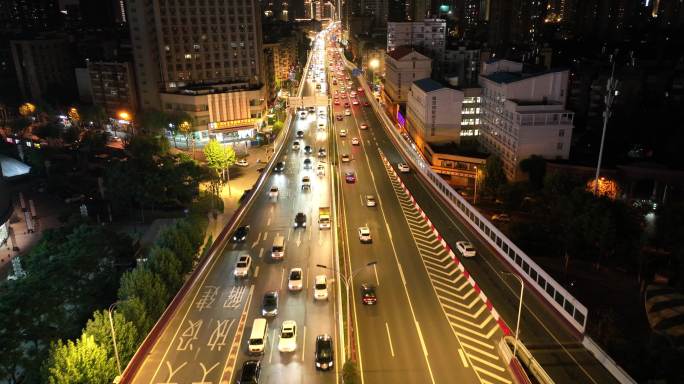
(524, 114)
(203, 57)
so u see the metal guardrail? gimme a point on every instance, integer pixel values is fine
(218, 244)
(574, 312)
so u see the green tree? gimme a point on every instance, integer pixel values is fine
(134, 309)
(494, 175)
(165, 264)
(18, 126)
(535, 167)
(82, 362)
(71, 134)
(94, 113)
(152, 121)
(148, 287)
(127, 337)
(350, 373)
(179, 243)
(194, 228)
(277, 127)
(219, 157)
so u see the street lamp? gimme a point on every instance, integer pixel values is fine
(347, 280)
(475, 194)
(111, 324)
(517, 323)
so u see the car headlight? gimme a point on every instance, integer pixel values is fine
(318, 364)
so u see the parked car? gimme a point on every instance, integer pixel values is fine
(242, 163)
(403, 168)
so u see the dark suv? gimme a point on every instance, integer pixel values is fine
(240, 234)
(279, 167)
(300, 220)
(251, 370)
(324, 352)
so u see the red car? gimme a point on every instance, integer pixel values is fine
(359, 90)
(368, 295)
(346, 105)
(366, 104)
(336, 102)
(349, 177)
(339, 117)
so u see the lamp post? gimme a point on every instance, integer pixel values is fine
(347, 280)
(374, 63)
(611, 92)
(111, 324)
(475, 194)
(517, 323)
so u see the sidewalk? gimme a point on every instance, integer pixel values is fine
(47, 211)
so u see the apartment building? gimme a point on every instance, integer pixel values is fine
(433, 113)
(205, 59)
(429, 35)
(112, 86)
(403, 66)
(524, 114)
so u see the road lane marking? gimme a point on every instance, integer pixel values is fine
(375, 270)
(389, 338)
(265, 236)
(420, 336)
(270, 353)
(268, 222)
(463, 358)
(401, 274)
(282, 278)
(256, 272)
(261, 252)
(304, 343)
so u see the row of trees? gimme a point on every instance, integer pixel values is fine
(152, 178)
(143, 294)
(71, 271)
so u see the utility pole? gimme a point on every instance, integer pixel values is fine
(611, 92)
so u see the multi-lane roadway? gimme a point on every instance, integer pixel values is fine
(428, 325)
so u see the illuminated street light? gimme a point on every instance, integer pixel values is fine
(123, 115)
(374, 63)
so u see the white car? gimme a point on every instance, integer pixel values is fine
(321, 126)
(321, 287)
(403, 168)
(345, 158)
(365, 235)
(295, 146)
(370, 201)
(242, 163)
(320, 170)
(306, 183)
(343, 133)
(288, 336)
(295, 279)
(355, 141)
(466, 248)
(243, 265)
(363, 126)
(347, 112)
(273, 192)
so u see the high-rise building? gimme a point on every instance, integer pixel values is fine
(29, 15)
(42, 66)
(524, 114)
(113, 86)
(205, 59)
(428, 36)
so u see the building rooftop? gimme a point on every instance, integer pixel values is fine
(511, 77)
(428, 85)
(464, 149)
(400, 52)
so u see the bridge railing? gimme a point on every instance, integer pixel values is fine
(574, 312)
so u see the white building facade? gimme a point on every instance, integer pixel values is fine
(403, 66)
(428, 34)
(433, 113)
(524, 114)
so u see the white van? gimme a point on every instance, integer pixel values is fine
(257, 339)
(278, 249)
